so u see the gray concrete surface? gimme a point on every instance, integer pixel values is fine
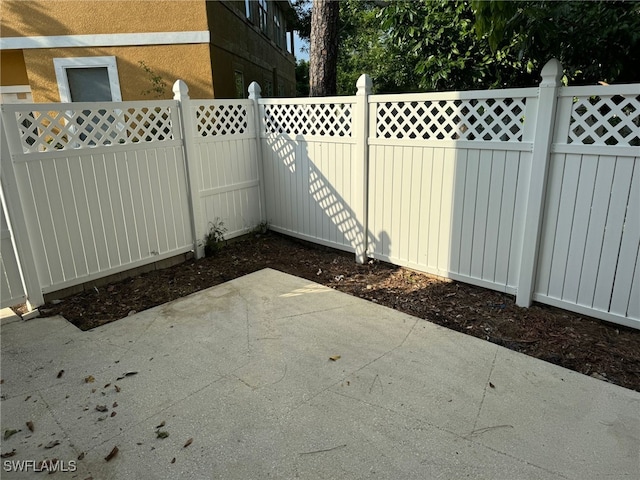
(244, 370)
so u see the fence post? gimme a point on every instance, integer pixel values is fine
(254, 95)
(361, 163)
(17, 222)
(181, 94)
(534, 208)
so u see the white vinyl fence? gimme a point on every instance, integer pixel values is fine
(225, 165)
(448, 175)
(589, 251)
(310, 168)
(103, 189)
(534, 192)
(11, 288)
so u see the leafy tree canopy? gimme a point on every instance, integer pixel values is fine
(413, 45)
(594, 40)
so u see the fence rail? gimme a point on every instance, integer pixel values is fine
(534, 192)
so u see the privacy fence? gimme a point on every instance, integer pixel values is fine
(534, 192)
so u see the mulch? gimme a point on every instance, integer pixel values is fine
(589, 346)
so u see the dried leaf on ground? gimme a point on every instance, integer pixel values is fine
(173, 460)
(8, 454)
(81, 456)
(52, 444)
(113, 414)
(187, 443)
(117, 388)
(112, 453)
(102, 408)
(126, 374)
(162, 434)
(492, 385)
(60, 373)
(89, 379)
(30, 425)
(10, 431)
(333, 358)
(162, 424)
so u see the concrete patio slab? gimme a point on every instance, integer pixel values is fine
(244, 370)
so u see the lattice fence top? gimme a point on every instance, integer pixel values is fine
(474, 119)
(323, 119)
(45, 131)
(225, 119)
(605, 120)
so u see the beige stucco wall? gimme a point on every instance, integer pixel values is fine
(12, 68)
(172, 62)
(63, 17)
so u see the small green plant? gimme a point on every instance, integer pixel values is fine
(158, 85)
(214, 239)
(260, 229)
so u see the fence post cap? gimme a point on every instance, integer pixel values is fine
(180, 90)
(364, 84)
(551, 73)
(254, 90)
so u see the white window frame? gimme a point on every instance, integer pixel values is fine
(62, 64)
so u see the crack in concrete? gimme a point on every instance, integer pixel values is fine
(464, 438)
(311, 312)
(295, 407)
(484, 392)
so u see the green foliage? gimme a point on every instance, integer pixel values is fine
(302, 18)
(442, 50)
(158, 85)
(214, 239)
(302, 78)
(594, 40)
(366, 47)
(423, 45)
(261, 228)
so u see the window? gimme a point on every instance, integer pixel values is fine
(239, 81)
(90, 79)
(247, 9)
(277, 27)
(87, 79)
(290, 47)
(268, 88)
(262, 12)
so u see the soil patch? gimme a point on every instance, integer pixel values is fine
(592, 347)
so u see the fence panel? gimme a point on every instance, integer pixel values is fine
(103, 188)
(11, 289)
(227, 163)
(448, 175)
(308, 150)
(589, 260)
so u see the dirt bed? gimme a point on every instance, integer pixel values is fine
(605, 351)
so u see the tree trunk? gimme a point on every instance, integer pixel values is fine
(323, 52)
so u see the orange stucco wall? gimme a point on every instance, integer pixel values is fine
(12, 68)
(189, 62)
(171, 62)
(63, 17)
